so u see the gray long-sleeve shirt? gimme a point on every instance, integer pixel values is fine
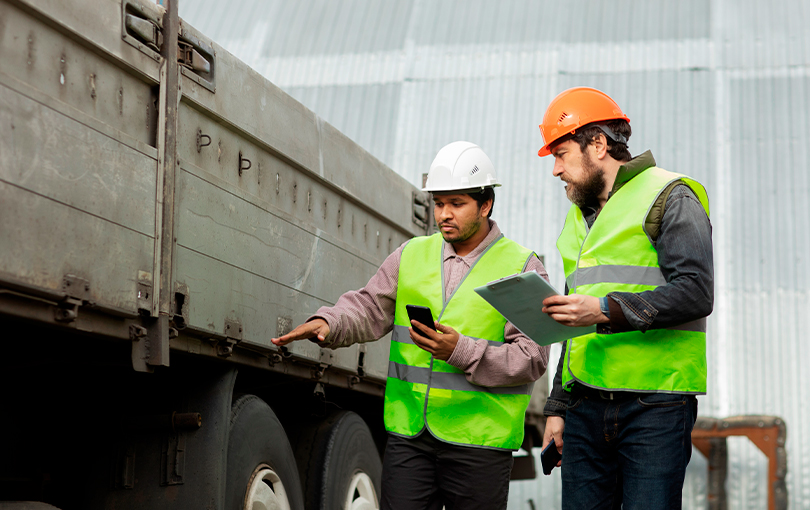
(684, 247)
(367, 314)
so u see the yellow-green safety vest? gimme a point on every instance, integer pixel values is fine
(425, 392)
(617, 255)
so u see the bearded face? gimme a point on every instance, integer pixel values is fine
(584, 191)
(458, 216)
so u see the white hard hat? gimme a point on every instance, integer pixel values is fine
(461, 166)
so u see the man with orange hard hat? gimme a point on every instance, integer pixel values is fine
(637, 255)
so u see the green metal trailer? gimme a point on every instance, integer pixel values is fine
(165, 211)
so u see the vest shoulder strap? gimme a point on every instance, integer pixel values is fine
(652, 225)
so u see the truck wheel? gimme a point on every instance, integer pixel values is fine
(261, 472)
(340, 464)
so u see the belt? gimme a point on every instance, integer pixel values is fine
(599, 394)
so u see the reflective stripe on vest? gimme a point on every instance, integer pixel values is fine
(425, 392)
(617, 255)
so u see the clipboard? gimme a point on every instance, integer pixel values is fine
(519, 298)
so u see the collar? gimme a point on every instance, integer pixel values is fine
(450, 252)
(626, 172)
(632, 168)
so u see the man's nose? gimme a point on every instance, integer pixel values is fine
(558, 169)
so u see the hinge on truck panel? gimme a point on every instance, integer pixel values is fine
(142, 27)
(77, 292)
(146, 30)
(326, 358)
(190, 58)
(233, 335)
(196, 56)
(421, 211)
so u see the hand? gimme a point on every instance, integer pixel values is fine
(440, 344)
(574, 310)
(554, 429)
(314, 328)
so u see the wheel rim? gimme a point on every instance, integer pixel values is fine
(361, 495)
(265, 491)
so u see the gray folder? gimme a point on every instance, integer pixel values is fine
(519, 298)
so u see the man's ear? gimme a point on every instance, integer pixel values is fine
(485, 208)
(600, 146)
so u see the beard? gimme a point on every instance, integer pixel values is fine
(461, 234)
(586, 192)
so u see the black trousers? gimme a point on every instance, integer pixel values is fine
(423, 473)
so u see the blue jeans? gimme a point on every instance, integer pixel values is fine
(630, 451)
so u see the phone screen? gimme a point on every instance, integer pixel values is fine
(549, 457)
(421, 314)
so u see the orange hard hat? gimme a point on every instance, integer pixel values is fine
(573, 109)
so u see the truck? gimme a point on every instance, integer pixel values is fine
(164, 212)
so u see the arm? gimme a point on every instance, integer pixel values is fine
(359, 315)
(519, 360)
(684, 247)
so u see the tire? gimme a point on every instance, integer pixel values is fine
(261, 472)
(340, 464)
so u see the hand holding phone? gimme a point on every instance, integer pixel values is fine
(549, 457)
(421, 314)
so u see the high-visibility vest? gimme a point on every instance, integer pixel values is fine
(616, 255)
(425, 392)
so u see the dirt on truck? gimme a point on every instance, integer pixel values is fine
(164, 212)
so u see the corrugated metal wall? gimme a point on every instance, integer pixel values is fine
(718, 89)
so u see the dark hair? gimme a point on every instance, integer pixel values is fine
(617, 150)
(482, 196)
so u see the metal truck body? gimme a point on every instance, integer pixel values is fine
(164, 212)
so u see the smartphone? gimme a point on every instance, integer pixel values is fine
(421, 314)
(549, 457)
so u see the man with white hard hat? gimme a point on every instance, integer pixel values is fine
(456, 397)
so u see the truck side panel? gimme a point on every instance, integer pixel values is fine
(309, 215)
(55, 52)
(78, 171)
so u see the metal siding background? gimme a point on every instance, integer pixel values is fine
(718, 89)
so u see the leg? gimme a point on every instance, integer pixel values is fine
(409, 475)
(655, 446)
(617, 495)
(473, 478)
(589, 462)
